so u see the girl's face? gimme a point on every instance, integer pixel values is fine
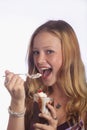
(47, 56)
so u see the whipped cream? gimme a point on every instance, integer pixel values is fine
(42, 94)
(42, 99)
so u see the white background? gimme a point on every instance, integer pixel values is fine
(18, 20)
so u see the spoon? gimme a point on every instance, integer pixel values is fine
(32, 76)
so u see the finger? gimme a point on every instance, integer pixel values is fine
(52, 111)
(13, 81)
(19, 80)
(46, 116)
(8, 78)
(49, 118)
(53, 120)
(41, 126)
(16, 84)
(7, 72)
(10, 81)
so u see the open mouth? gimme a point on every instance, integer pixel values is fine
(46, 72)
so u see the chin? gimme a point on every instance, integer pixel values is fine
(47, 83)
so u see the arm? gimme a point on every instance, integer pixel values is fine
(15, 122)
(15, 86)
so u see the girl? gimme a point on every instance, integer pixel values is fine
(54, 52)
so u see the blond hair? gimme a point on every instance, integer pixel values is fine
(71, 76)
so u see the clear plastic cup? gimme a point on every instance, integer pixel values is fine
(42, 102)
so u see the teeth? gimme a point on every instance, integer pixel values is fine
(41, 70)
(44, 68)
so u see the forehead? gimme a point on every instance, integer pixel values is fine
(46, 39)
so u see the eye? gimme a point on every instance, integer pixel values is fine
(49, 51)
(35, 52)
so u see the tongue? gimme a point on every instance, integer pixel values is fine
(46, 73)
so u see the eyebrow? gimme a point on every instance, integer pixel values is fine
(44, 47)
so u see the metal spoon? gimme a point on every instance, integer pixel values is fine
(32, 76)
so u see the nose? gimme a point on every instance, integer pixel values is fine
(41, 59)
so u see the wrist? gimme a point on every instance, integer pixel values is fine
(17, 106)
(15, 113)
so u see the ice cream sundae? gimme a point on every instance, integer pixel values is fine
(42, 99)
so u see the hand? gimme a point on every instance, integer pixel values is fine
(15, 86)
(52, 120)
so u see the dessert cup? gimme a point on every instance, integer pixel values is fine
(42, 102)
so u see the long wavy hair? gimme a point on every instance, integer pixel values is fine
(71, 76)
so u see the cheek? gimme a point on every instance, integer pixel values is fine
(60, 62)
(57, 61)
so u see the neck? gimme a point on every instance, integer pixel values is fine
(60, 99)
(58, 92)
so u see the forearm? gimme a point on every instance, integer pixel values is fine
(15, 123)
(15, 85)
(16, 116)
